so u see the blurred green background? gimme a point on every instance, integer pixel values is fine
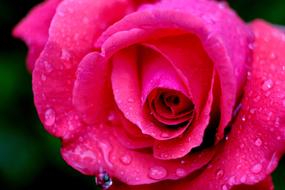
(29, 157)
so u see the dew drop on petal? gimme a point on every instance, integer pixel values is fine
(49, 117)
(131, 100)
(258, 142)
(180, 172)
(165, 135)
(157, 172)
(243, 179)
(251, 46)
(220, 173)
(126, 159)
(103, 180)
(225, 187)
(267, 85)
(256, 168)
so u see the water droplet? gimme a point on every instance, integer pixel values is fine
(180, 172)
(103, 180)
(165, 135)
(267, 85)
(251, 46)
(243, 179)
(111, 117)
(220, 173)
(49, 117)
(249, 75)
(252, 110)
(157, 172)
(232, 180)
(243, 118)
(225, 187)
(256, 168)
(258, 142)
(131, 100)
(126, 159)
(182, 161)
(43, 77)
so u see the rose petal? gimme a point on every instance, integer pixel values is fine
(92, 93)
(97, 148)
(129, 135)
(179, 147)
(260, 125)
(71, 36)
(266, 184)
(34, 29)
(127, 93)
(182, 184)
(187, 55)
(215, 29)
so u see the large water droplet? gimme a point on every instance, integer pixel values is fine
(258, 142)
(180, 172)
(256, 168)
(157, 172)
(49, 117)
(267, 85)
(126, 159)
(103, 180)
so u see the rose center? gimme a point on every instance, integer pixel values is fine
(170, 107)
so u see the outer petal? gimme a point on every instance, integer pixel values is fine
(212, 22)
(173, 185)
(71, 36)
(97, 148)
(34, 29)
(257, 139)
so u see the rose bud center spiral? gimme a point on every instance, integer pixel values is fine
(170, 107)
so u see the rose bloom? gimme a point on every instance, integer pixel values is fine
(170, 94)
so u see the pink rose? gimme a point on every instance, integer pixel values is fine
(170, 94)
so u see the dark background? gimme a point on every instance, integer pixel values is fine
(29, 157)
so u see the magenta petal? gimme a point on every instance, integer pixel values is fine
(92, 93)
(97, 148)
(193, 137)
(71, 37)
(34, 29)
(157, 72)
(215, 29)
(189, 58)
(257, 139)
(127, 93)
(266, 184)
